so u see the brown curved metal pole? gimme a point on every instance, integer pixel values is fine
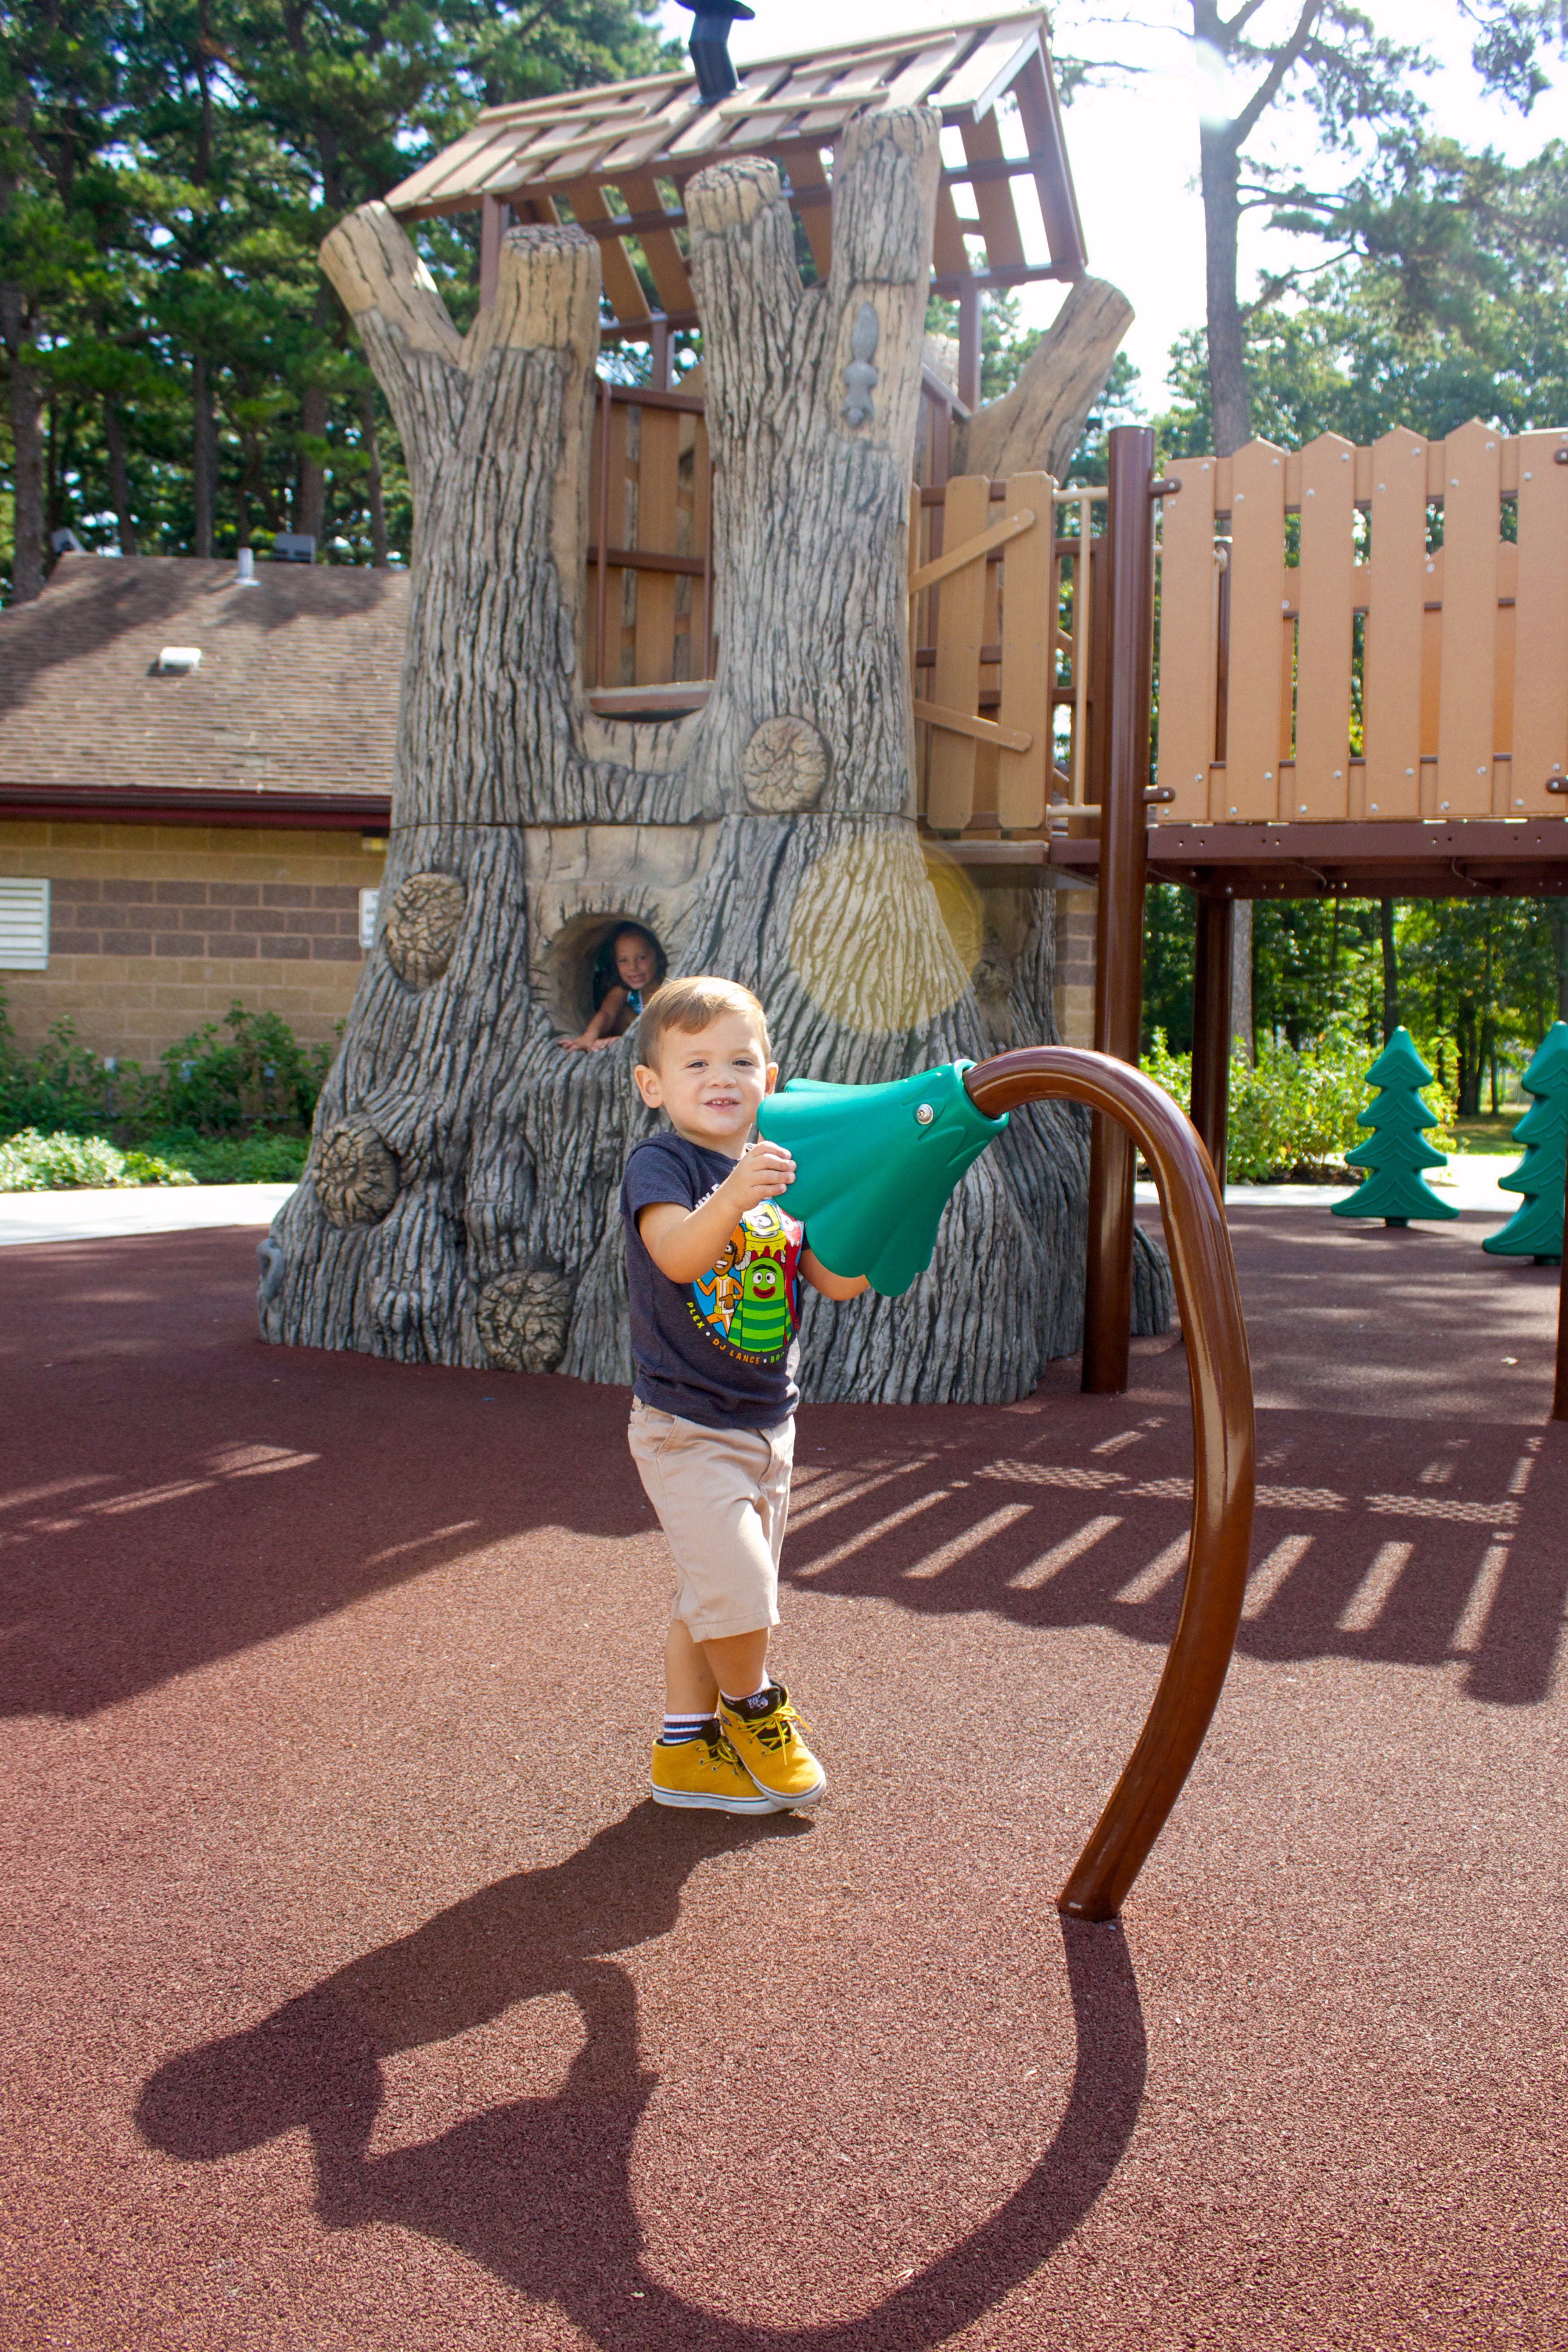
(1224, 1446)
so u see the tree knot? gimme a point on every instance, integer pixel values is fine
(355, 1174)
(522, 1320)
(784, 767)
(419, 932)
(860, 376)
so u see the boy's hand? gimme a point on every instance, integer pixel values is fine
(762, 1172)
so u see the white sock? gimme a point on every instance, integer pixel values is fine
(764, 1687)
(679, 1727)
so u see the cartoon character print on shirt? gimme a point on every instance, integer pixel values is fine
(749, 1302)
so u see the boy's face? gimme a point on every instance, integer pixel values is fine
(710, 1081)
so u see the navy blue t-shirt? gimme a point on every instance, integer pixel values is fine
(722, 1350)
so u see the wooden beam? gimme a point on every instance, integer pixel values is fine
(622, 284)
(952, 558)
(984, 730)
(954, 282)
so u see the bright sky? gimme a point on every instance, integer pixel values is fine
(1134, 145)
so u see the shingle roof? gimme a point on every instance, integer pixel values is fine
(296, 690)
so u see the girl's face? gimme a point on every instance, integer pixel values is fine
(637, 965)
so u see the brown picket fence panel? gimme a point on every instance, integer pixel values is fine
(1366, 634)
(997, 648)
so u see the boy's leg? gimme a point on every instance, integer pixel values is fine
(696, 1672)
(723, 1497)
(690, 1686)
(739, 1664)
(692, 1762)
(757, 1717)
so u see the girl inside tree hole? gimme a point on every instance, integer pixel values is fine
(627, 969)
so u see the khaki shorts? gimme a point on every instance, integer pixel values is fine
(723, 1497)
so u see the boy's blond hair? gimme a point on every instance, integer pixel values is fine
(690, 1005)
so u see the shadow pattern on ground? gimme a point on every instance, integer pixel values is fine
(538, 2191)
(188, 1493)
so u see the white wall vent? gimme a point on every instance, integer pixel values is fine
(368, 902)
(24, 925)
(178, 661)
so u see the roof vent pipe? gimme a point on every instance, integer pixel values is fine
(709, 44)
(245, 568)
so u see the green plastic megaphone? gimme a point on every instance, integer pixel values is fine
(876, 1166)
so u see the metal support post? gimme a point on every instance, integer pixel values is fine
(1119, 952)
(969, 346)
(495, 219)
(1211, 1026)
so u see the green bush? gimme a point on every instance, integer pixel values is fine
(32, 1162)
(260, 1076)
(234, 1159)
(1293, 1116)
(233, 1101)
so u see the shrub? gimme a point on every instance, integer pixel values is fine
(234, 1159)
(32, 1162)
(1294, 1114)
(258, 1077)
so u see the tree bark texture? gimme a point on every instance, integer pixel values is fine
(26, 410)
(203, 455)
(460, 1201)
(1038, 425)
(1229, 404)
(118, 478)
(1390, 968)
(375, 494)
(1242, 1040)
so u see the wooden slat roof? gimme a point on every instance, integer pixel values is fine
(629, 136)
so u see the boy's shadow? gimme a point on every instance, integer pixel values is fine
(538, 2191)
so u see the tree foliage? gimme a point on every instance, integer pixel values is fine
(177, 378)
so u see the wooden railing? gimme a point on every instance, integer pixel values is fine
(1002, 642)
(1366, 633)
(649, 600)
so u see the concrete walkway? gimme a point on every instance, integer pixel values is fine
(1469, 1182)
(158, 1209)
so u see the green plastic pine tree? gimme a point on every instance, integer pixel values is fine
(1397, 1149)
(1536, 1228)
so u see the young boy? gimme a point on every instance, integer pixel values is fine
(713, 1265)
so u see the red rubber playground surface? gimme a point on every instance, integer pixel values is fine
(357, 2001)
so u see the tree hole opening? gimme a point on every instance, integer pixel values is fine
(592, 955)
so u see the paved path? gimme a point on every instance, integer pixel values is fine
(96, 1216)
(135, 1209)
(357, 2003)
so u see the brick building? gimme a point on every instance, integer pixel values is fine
(175, 835)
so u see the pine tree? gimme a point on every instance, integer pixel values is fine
(1396, 1150)
(1536, 1228)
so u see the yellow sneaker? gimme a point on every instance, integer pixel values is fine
(764, 1736)
(705, 1771)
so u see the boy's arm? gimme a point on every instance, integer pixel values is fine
(684, 1243)
(832, 1285)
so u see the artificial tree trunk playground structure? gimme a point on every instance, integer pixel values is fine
(459, 1201)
